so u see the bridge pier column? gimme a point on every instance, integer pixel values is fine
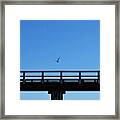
(56, 95)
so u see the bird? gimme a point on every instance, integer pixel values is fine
(58, 59)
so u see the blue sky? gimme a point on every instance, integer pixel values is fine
(76, 42)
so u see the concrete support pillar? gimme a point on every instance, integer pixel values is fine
(56, 95)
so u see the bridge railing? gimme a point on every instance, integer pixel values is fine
(60, 76)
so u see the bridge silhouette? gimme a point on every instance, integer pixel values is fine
(58, 82)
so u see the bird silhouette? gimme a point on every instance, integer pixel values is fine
(58, 59)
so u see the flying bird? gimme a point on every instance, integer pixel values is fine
(58, 59)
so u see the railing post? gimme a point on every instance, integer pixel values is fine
(61, 77)
(98, 76)
(82, 80)
(42, 80)
(79, 81)
(24, 77)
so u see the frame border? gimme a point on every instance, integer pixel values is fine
(61, 2)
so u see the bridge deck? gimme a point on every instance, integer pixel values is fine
(57, 82)
(59, 87)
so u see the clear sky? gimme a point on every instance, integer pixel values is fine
(76, 42)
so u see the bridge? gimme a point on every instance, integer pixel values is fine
(58, 82)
